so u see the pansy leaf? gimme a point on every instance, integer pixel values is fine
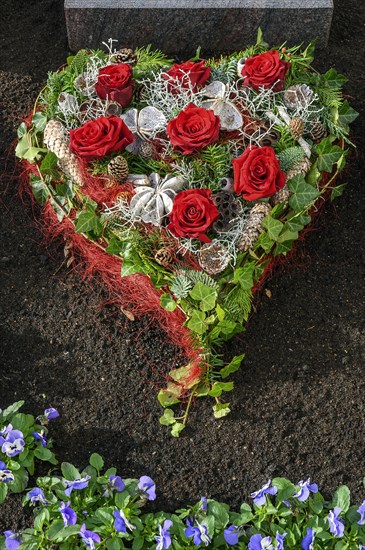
(43, 453)
(97, 461)
(342, 498)
(69, 471)
(3, 491)
(12, 409)
(220, 513)
(20, 481)
(285, 488)
(41, 519)
(113, 544)
(137, 543)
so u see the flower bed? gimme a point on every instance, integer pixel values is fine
(180, 185)
(95, 508)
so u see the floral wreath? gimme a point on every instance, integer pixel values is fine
(180, 185)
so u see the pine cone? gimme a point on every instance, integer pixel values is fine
(229, 208)
(164, 257)
(118, 168)
(69, 164)
(297, 96)
(317, 131)
(213, 257)
(281, 196)
(253, 226)
(56, 139)
(125, 55)
(146, 150)
(296, 126)
(301, 168)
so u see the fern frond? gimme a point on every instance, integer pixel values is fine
(200, 276)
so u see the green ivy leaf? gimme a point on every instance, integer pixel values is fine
(204, 294)
(244, 275)
(167, 418)
(328, 155)
(40, 190)
(96, 461)
(39, 121)
(219, 387)
(334, 79)
(167, 302)
(170, 395)
(303, 193)
(337, 191)
(197, 322)
(177, 428)
(88, 221)
(264, 242)
(273, 227)
(22, 130)
(221, 409)
(283, 248)
(48, 163)
(233, 366)
(287, 235)
(346, 115)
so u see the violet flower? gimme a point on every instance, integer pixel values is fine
(198, 531)
(51, 413)
(259, 497)
(280, 541)
(69, 515)
(306, 487)
(257, 542)
(13, 443)
(41, 437)
(78, 484)
(204, 504)
(308, 541)
(163, 539)
(115, 484)
(121, 523)
(37, 495)
(147, 487)
(337, 526)
(12, 540)
(6, 476)
(360, 510)
(232, 534)
(88, 537)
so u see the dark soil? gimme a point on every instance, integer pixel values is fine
(298, 406)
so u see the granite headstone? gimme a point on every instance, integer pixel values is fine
(179, 26)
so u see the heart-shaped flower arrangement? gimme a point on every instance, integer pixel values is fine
(179, 184)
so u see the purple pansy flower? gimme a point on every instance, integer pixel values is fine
(88, 537)
(69, 515)
(198, 531)
(115, 484)
(163, 539)
(147, 487)
(337, 526)
(78, 484)
(37, 495)
(360, 510)
(308, 541)
(231, 535)
(12, 540)
(121, 523)
(13, 443)
(259, 497)
(257, 542)
(204, 504)
(6, 476)
(41, 437)
(280, 541)
(305, 488)
(51, 413)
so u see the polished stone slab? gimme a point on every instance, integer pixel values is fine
(178, 26)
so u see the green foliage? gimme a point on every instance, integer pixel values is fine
(286, 140)
(181, 285)
(21, 465)
(290, 157)
(210, 166)
(303, 193)
(200, 276)
(149, 61)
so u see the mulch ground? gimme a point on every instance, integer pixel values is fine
(298, 404)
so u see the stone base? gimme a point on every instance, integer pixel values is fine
(178, 27)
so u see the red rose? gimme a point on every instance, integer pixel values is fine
(115, 83)
(192, 214)
(257, 173)
(193, 129)
(196, 73)
(264, 69)
(100, 137)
